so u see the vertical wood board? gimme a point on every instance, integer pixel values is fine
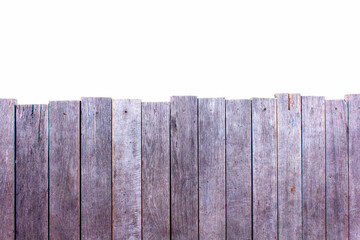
(64, 167)
(7, 136)
(264, 168)
(31, 172)
(212, 200)
(156, 171)
(238, 169)
(184, 168)
(313, 167)
(96, 168)
(289, 166)
(126, 177)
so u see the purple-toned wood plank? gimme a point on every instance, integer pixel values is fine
(337, 178)
(238, 169)
(31, 172)
(126, 152)
(354, 165)
(264, 168)
(64, 167)
(184, 168)
(313, 167)
(7, 136)
(289, 166)
(96, 168)
(212, 168)
(155, 171)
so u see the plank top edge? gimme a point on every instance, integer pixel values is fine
(64, 101)
(126, 100)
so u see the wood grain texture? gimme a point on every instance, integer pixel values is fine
(313, 167)
(126, 152)
(7, 136)
(354, 165)
(337, 177)
(264, 168)
(31, 172)
(156, 171)
(64, 175)
(238, 169)
(96, 168)
(212, 168)
(289, 166)
(184, 168)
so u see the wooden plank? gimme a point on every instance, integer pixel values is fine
(7, 136)
(31, 172)
(238, 169)
(64, 175)
(337, 178)
(156, 171)
(184, 168)
(354, 165)
(289, 166)
(313, 167)
(212, 168)
(126, 153)
(96, 168)
(264, 168)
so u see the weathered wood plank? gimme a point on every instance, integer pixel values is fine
(264, 168)
(184, 168)
(64, 167)
(31, 172)
(212, 168)
(238, 169)
(156, 171)
(96, 168)
(354, 165)
(313, 167)
(7, 136)
(126, 152)
(337, 178)
(289, 166)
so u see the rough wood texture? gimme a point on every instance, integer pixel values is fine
(337, 211)
(184, 168)
(155, 171)
(96, 168)
(313, 167)
(354, 165)
(238, 169)
(7, 136)
(126, 152)
(64, 162)
(264, 168)
(212, 168)
(289, 166)
(31, 172)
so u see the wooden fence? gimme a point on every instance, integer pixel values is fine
(282, 168)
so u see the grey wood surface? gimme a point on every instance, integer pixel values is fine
(7, 148)
(238, 169)
(155, 171)
(264, 168)
(64, 169)
(313, 167)
(184, 168)
(96, 168)
(289, 166)
(212, 198)
(126, 168)
(31, 172)
(354, 165)
(337, 177)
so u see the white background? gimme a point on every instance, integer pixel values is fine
(61, 50)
